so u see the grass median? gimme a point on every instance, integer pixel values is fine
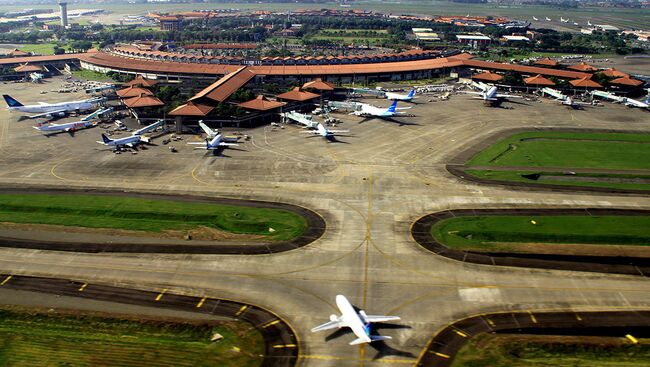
(39, 338)
(514, 232)
(489, 350)
(148, 215)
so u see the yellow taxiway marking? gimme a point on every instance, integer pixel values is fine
(161, 294)
(6, 279)
(270, 324)
(280, 346)
(460, 333)
(200, 304)
(83, 286)
(632, 339)
(241, 310)
(441, 355)
(532, 317)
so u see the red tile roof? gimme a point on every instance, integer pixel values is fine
(546, 62)
(191, 109)
(142, 82)
(34, 59)
(583, 66)
(18, 53)
(143, 100)
(133, 91)
(318, 84)
(27, 68)
(212, 46)
(530, 70)
(538, 80)
(261, 104)
(222, 89)
(585, 82)
(489, 76)
(297, 95)
(627, 81)
(613, 73)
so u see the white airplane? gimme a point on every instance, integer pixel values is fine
(71, 127)
(401, 97)
(588, 23)
(569, 101)
(548, 19)
(103, 88)
(564, 20)
(50, 109)
(215, 143)
(326, 133)
(359, 322)
(640, 104)
(490, 94)
(208, 132)
(372, 111)
(36, 77)
(133, 140)
(535, 18)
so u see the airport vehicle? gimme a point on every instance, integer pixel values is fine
(326, 133)
(71, 127)
(401, 97)
(359, 322)
(43, 109)
(217, 142)
(367, 110)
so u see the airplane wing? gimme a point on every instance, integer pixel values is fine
(334, 324)
(403, 108)
(377, 318)
(507, 96)
(46, 114)
(228, 145)
(339, 131)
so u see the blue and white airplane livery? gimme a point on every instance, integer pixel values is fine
(359, 322)
(401, 97)
(372, 111)
(43, 109)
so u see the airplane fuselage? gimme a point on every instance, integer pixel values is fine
(53, 107)
(353, 319)
(130, 140)
(70, 126)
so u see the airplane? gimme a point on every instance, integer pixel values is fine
(640, 104)
(569, 101)
(401, 97)
(208, 131)
(133, 140)
(50, 109)
(535, 18)
(575, 23)
(372, 111)
(103, 88)
(36, 77)
(215, 143)
(489, 94)
(71, 127)
(325, 133)
(359, 322)
(548, 19)
(588, 22)
(564, 20)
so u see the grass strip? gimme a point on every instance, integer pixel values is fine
(137, 214)
(490, 350)
(479, 233)
(35, 338)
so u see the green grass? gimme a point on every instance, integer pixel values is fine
(91, 75)
(148, 215)
(570, 150)
(490, 350)
(38, 48)
(32, 338)
(483, 233)
(516, 176)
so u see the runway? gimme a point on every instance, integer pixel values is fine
(369, 192)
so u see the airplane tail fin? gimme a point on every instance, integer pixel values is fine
(375, 338)
(11, 102)
(392, 107)
(411, 93)
(106, 139)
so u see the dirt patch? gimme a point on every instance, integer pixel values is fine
(563, 339)
(198, 233)
(571, 249)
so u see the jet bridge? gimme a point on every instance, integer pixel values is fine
(300, 118)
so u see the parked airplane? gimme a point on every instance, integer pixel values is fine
(208, 131)
(588, 23)
(71, 127)
(548, 19)
(640, 104)
(215, 143)
(326, 133)
(534, 18)
(50, 109)
(359, 322)
(401, 97)
(36, 77)
(569, 101)
(133, 140)
(372, 111)
(564, 20)
(489, 94)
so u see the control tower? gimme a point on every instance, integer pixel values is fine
(63, 6)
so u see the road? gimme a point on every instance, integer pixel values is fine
(369, 192)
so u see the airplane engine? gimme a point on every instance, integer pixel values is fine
(333, 318)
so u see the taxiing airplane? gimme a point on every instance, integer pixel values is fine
(372, 111)
(71, 127)
(359, 322)
(401, 97)
(326, 133)
(43, 109)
